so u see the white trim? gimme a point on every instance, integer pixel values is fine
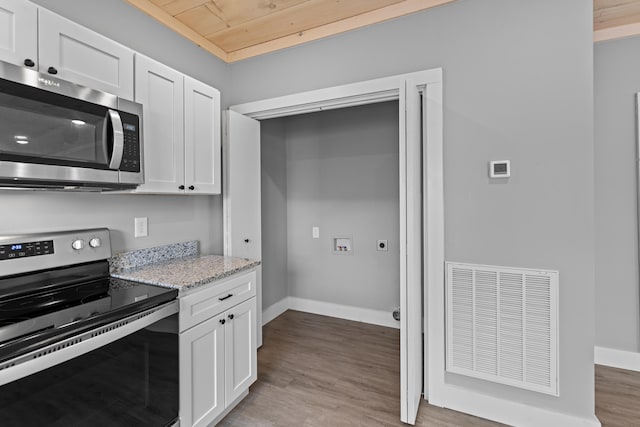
(347, 312)
(275, 310)
(509, 412)
(339, 311)
(622, 359)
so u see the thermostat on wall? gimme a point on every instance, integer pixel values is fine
(500, 169)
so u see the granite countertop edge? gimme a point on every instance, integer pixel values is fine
(204, 269)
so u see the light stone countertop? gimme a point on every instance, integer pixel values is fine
(187, 272)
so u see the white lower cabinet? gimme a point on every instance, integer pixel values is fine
(218, 362)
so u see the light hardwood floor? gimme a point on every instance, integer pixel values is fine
(321, 371)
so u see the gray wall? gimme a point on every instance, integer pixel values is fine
(171, 218)
(617, 71)
(337, 170)
(274, 211)
(518, 85)
(342, 176)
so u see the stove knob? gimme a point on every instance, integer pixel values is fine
(78, 244)
(95, 242)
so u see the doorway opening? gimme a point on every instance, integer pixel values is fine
(420, 172)
(330, 192)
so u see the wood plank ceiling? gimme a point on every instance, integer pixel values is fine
(239, 29)
(615, 18)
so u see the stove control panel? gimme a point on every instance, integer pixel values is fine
(33, 252)
(25, 249)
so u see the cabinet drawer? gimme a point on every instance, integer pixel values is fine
(215, 298)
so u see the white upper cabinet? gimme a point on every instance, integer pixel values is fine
(19, 33)
(181, 119)
(36, 38)
(160, 90)
(202, 137)
(77, 54)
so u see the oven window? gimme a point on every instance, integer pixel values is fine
(130, 382)
(38, 131)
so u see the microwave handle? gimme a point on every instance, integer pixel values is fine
(118, 139)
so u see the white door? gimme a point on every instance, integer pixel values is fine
(201, 138)
(160, 90)
(411, 267)
(19, 33)
(75, 53)
(202, 372)
(242, 196)
(241, 365)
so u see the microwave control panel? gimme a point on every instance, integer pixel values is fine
(22, 250)
(131, 154)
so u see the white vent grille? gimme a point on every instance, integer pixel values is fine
(502, 325)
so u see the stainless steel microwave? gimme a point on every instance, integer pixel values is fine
(58, 135)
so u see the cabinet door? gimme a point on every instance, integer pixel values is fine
(240, 349)
(160, 90)
(202, 373)
(202, 138)
(83, 56)
(18, 32)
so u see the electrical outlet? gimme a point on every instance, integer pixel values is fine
(315, 232)
(382, 245)
(141, 227)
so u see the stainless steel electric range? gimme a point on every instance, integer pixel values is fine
(78, 348)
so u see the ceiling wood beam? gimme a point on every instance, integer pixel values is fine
(383, 14)
(169, 21)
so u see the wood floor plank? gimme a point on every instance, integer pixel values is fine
(317, 371)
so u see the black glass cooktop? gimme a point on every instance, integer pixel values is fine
(40, 308)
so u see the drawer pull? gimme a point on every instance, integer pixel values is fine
(224, 298)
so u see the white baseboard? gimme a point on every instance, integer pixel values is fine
(347, 312)
(275, 310)
(617, 358)
(507, 411)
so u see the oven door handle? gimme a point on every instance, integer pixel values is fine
(113, 117)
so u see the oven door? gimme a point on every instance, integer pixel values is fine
(122, 374)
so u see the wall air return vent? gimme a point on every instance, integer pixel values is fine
(502, 325)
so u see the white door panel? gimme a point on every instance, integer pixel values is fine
(160, 89)
(240, 350)
(202, 373)
(242, 196)
(202, 137)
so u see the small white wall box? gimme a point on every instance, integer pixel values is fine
(499, 169)
(342, 245)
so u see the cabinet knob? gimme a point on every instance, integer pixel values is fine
(191, 187)
(231, 317)
(52, 70)
(29, 62)
(181, 187)
(246, 240)
(222, 321)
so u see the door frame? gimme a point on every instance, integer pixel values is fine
(420, 103)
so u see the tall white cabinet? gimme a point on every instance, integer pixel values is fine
(181, 130)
